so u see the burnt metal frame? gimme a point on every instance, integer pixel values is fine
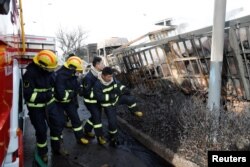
(242, 63)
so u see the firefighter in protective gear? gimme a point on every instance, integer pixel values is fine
(66, 90)
(38, 88)
(68, 121)
(91, 103)
(80, 76)
(107, 97)
(110, 94)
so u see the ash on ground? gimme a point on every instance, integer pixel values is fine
(183, 124)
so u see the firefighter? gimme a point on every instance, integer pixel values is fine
(68, 121)
(91, 103)
(38, 88)
(66, 90)
(109, 94)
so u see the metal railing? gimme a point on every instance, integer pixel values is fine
(185, 60)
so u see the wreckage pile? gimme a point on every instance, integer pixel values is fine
(183, 124)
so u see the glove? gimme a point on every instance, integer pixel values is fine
(126, 91)
(112, 96)
(117, 91)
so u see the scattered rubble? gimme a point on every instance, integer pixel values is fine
(183, 124)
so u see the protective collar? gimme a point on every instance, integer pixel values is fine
(94, 71)
(104, 82)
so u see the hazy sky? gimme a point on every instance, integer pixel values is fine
(120, 18)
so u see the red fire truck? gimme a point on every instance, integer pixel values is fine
(11, 152)
(16, 50)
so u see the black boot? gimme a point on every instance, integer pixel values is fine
(114, 142)
(58, 148)
(62, 151)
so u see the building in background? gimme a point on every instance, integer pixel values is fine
(92, 51)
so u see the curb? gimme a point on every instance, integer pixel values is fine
(156, 147)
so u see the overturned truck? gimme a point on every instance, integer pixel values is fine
(184, 60)
(170, 76)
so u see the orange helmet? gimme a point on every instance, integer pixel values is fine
(46, 59)
(75, 62)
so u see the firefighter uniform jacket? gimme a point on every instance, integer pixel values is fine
(107, 95)
(38, 86)
(87, 88)
(67, 85)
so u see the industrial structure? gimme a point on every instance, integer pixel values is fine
(184, 60)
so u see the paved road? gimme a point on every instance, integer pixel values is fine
(129, 154)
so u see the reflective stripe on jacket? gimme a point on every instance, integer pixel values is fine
(38, 86)
(87, 88)
(107, 95)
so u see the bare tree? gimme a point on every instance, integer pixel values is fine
(71, 41)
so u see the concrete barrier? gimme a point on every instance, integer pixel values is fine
(155, 146)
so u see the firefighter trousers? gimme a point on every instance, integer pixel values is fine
(95, 120)
(41, 118)
(129, 101)
(112, 120)
(71, 111)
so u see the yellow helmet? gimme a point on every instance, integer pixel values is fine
(74, 62)
(46, 59)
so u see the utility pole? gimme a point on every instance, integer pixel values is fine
(216, 61)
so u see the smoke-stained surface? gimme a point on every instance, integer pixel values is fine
(183, 124)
